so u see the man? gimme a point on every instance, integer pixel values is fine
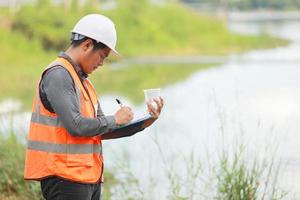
(64, 143)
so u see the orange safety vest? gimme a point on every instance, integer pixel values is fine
(52, 150)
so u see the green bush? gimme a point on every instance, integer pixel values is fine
(143, 28)
(233, 176)
(48, 23)
(40, 30)
(240, 177)
(130, 81)
(12, 184)
(22, 62)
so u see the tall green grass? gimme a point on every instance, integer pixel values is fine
(241, 176)
(143, 29)
(12, 185)
(32, 38)
(233, 176)
(130, 81)
(21, 64)
(176, 30)
(19, 80)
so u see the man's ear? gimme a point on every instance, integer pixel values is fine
(87, 45)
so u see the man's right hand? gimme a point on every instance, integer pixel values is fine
(124, 115)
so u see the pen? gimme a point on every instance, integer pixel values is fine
(119, 102)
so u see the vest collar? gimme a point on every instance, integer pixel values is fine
(76, 66)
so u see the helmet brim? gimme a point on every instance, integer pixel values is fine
(115, 52)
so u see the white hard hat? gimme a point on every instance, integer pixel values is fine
(99, 28)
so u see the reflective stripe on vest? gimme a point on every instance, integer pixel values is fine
(45, 120)
(36, 117)
(65, 148)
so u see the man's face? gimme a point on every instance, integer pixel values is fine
(92, 59)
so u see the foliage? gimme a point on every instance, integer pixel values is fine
(241, 178)
(22, 68)
(127, 186)
(40, 30)
(143, 29)
(130, 81)
(12, 184)
(233, 176)
(48, 23)
(110, 181)
(176, 30)
(126, 81)
(21, 62)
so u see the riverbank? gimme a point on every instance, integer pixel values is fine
(32, 38)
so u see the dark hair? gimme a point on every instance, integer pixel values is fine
(96, 45)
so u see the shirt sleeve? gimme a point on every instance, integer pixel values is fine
(99, 111)
(59, 89)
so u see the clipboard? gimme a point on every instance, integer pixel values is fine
(129, 129)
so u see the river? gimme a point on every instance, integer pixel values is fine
(256, 103)
(252, 99)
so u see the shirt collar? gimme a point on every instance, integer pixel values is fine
(76, 66)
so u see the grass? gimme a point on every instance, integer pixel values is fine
(12, 185)
(242, 177)
(32, 38)
(233, 175)
(236, 174)
(21, 64)
(130, 81)
(143, 29)
(177, 30)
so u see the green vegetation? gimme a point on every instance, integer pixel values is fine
(12, 185)
(177, 30)
(130, 81)
(21, 64)
(235, 176)
(241, 177)
(143, 29)
(232, 176)
(31, 39)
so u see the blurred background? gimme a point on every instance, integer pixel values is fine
(228, 71)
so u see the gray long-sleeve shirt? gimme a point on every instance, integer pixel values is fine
(58, 94)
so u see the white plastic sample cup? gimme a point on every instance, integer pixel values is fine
(151, 94)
